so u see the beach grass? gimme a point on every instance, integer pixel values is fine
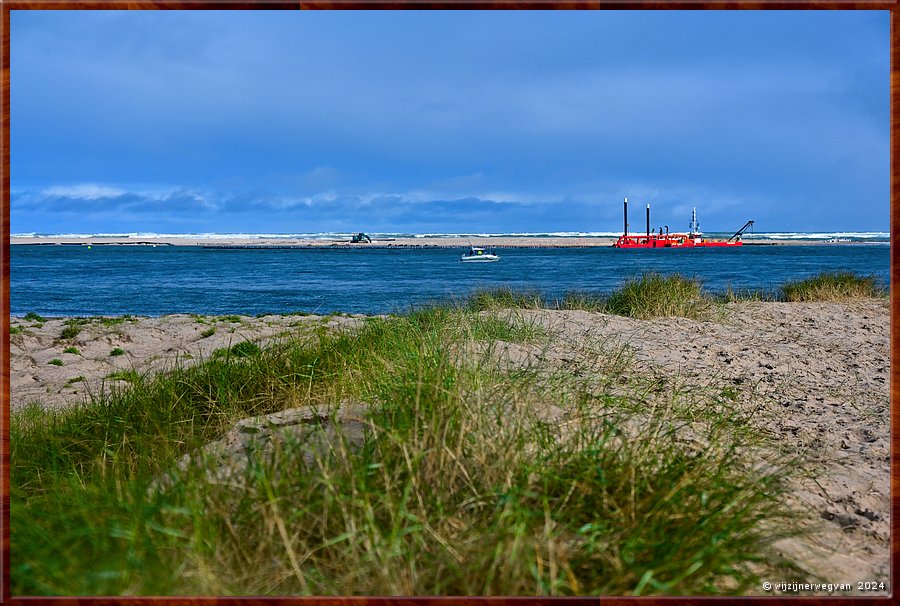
(462, 485)
(651, 295)
(655, 296)
(584, 301)
(114, 321)
(504, 298)
(832, 286)
(70, 332)
(730, 295)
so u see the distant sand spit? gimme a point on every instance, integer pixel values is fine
(436, 242)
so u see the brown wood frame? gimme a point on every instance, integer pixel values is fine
(7, 5)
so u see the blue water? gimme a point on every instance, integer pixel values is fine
(142, 280)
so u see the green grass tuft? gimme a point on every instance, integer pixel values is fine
(118, 351)
(657, 296)
(503, 298)
(70, 332)
(832, 286)
(55, 362)
(129, 376)
(734, 296)
(72, 350)
(244, 349)
(208, 332)
(31, 316)
(105, 321)
(584, 301)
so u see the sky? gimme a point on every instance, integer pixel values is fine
(447, 122)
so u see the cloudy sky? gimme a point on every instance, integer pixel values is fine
(465, 122)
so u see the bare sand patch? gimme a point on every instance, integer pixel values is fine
(147, 345)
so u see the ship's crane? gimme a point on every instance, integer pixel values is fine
(738, 233)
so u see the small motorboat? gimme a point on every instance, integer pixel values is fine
(478, 255)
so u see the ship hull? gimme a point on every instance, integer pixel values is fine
(671, 241)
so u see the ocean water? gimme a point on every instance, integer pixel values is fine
(143, 280)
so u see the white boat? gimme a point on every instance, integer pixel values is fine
(478, 255)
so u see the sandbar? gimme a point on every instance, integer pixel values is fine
(423, 242)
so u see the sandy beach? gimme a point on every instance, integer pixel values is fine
(424, 242)
(813, 377)
(147, 345)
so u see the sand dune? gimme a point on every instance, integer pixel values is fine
(813, 377)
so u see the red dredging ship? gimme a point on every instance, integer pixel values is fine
(692, 239)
